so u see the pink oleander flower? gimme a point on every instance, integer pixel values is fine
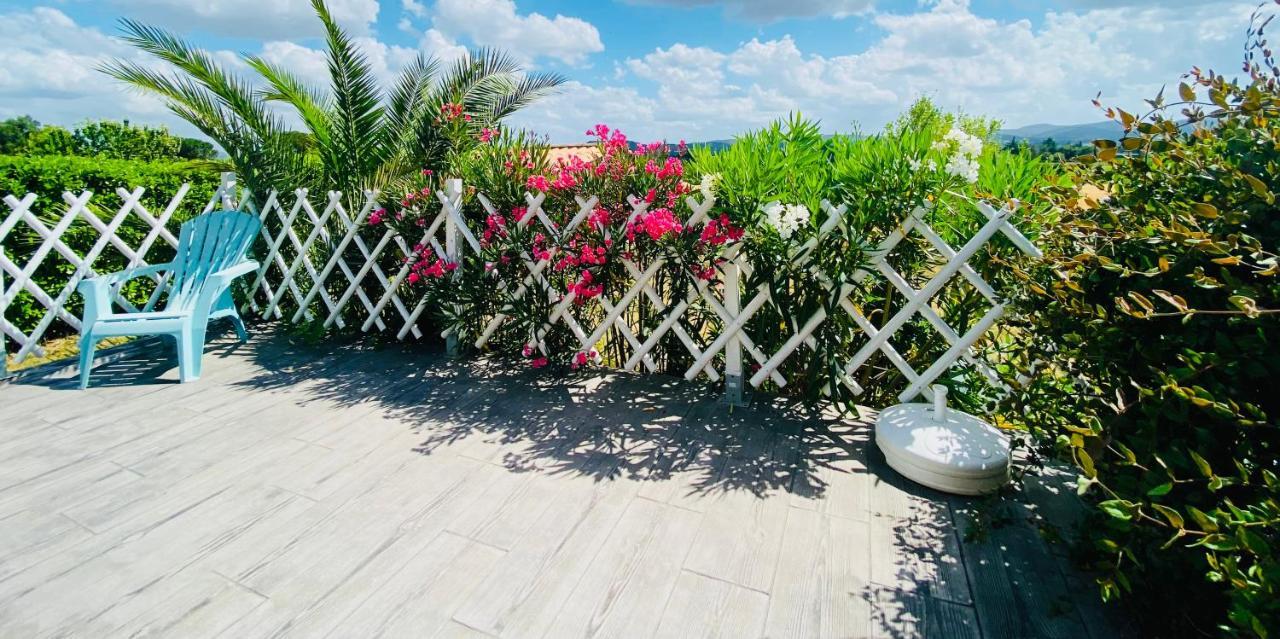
(450, 111)
(487, 134)
(427, 172)
(538, 362)
(656, 224)
(584, 289)
(672, 167)
(720, 231)
(527, 350)
(564, 181)
(599, 218)
(538, 182)
(377, 216)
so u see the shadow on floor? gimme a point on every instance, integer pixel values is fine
(598, 423)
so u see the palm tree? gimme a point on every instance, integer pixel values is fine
(355, 136)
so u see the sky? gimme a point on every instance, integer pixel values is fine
(667, 69)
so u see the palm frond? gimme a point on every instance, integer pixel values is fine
(526, 91)
(283, 86)
(232, 91)
(357, 145)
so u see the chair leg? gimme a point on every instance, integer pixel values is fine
(240, 330)
(190, 350)
(225, 304)
(88, 344)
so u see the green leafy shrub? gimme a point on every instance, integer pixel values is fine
(49, 176)
(881, 178)
(1154, 331)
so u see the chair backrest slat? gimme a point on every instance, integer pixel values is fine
(209, 243)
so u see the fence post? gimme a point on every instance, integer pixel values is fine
(733, 391)
(4, 346)
(227, 190)
(452, 248)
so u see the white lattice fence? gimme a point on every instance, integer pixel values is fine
(50, 229)
(322, 262)
(730, 346)
(317, 265)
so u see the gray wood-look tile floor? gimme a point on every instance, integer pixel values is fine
(360, 492)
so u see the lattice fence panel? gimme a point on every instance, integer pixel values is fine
(79, 214)
(316, 263)
(321, 262)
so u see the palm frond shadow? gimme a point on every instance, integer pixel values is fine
(606, 425)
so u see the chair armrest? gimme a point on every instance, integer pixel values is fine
(226, 275)
(218, 282)
(122, 276)
(97, 290)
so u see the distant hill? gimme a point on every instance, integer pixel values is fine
(1064, 134)
(1033, 133)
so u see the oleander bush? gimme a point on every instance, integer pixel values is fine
(1153, 330)
(768, 190)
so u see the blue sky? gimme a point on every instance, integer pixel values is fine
(673, 69)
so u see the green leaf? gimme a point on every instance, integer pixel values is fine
(1173, 516)
(1257, 185)
(1117, 508)
(1201, 463)
(1161, 490)
(1086, 462)
(1204, 209)
(1218, 542)
(1202, 520)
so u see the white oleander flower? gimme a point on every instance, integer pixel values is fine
(708, 184)
(968, 148)
(786, 218)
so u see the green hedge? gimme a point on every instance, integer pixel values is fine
(49, 176)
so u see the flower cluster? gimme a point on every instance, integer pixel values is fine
(451, 111)
(965, 149)
(708, 184)
(719, 231)
(585, 288)
(427, 266)
(579, 258)
(786, 219)
(655, 224)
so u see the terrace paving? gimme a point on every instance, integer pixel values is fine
(359, 491)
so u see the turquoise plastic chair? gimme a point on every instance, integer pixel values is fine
(212, 252)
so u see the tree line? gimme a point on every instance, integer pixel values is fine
(24, 135)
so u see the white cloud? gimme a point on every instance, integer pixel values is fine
(48, 69)
(1007, 69)
(414, 8)
(566, 116)
(251, 18)
(497, 23)
(770, 10)
(440, 46)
